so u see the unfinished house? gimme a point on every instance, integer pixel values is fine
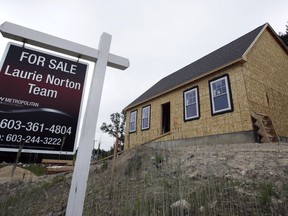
(236, 94)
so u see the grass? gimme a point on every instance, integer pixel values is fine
(285, 190)
(267, 191)
(147, 184)
(36, 169)
(155, 189)
(153, 192)
(104, 165)
(42, 198)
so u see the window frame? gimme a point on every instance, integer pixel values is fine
(197, 116)
(135, 129)
(148, 118)
(228, 94)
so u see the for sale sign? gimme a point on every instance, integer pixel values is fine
(40, 98)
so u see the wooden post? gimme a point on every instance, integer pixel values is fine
(113, 165)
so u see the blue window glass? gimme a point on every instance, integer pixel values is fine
(145, 118)
(133, 126)
(220, 93)
(191, 104)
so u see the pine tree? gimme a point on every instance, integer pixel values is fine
(284, 37)
(117, 127)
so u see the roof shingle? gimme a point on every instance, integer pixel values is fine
(225, 55)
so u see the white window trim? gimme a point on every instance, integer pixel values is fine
(133, 113)
(142, 117)
(227, 95)
(197, 104)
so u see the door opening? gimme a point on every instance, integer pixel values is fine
(165, 117)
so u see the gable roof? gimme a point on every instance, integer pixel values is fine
(220, 58)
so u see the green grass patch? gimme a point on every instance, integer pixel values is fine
(266, 192)
(104, 165)
(36, 169)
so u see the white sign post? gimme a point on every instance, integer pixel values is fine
(102, 59)
(82, 166)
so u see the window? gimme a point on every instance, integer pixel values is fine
(146, 118)
(191, 104)
(133, 122)
(220, 95)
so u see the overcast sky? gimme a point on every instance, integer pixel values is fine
(158, 37)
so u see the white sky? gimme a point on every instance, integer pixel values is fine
(158, 37)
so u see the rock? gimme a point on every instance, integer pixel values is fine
(181, 205)
(59, 212)
(190, 157)
(4, 163)
(283, 162)
(213, 204)
(201, 209)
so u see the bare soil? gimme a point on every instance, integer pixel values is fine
(19, 174)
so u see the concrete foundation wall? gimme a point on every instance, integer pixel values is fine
(230, 138)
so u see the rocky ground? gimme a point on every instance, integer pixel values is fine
(235, 179)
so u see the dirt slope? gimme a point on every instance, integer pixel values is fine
(236, 179)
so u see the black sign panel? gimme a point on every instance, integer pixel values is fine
(40, 98)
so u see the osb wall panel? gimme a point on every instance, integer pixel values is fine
(238, 120)
(266, 80)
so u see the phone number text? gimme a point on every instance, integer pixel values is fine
(12, 124)
(31, 139)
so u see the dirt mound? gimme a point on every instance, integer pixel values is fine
(220, 179)
(19, 174)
